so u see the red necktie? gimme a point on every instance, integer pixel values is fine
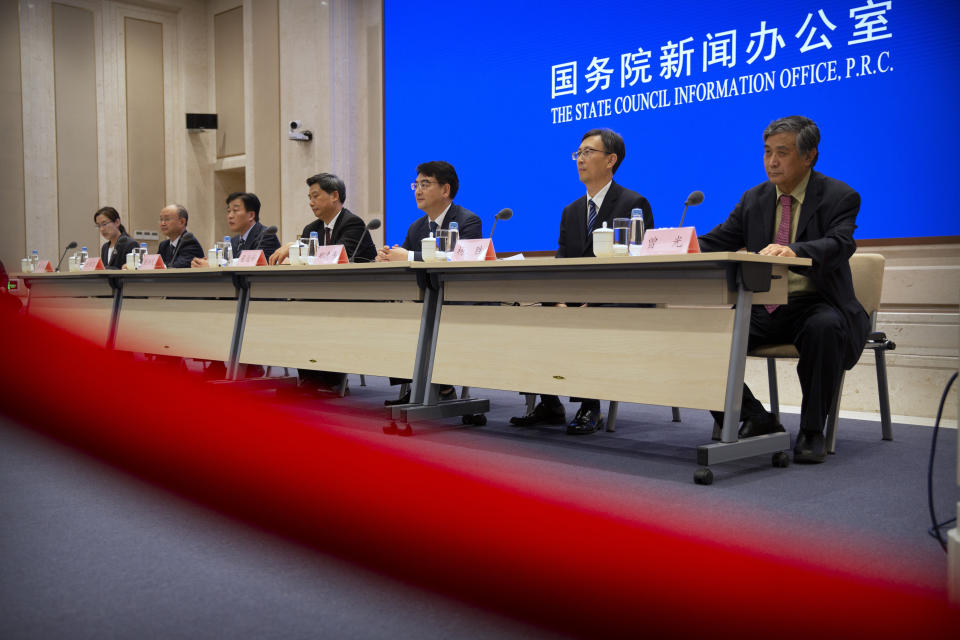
(326, 235)
(783, 232)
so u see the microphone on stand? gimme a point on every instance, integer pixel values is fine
(272, 229)
(503, 214)
(72, 245)
(692, 200)
(373, 224)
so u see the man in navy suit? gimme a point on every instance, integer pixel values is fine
(799, 212)
(599, 156)
(180, 247)
(435, 188)
(335, 224)
(243, 218)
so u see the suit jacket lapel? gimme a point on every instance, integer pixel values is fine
(580, 222)
(768, 204)
(811, 200)
(609, 202)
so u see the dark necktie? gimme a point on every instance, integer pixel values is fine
(326, 235)
(433, 228)
(783, 232)
(592, 218)
(240, 245)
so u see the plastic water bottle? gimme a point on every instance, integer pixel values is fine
(84, 255)
(35, 260)
(142, 253)
(636, 232)
(313, 245)
(227, 257)
(453, 239)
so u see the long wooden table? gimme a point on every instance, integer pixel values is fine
(677, 342)
(654, 330)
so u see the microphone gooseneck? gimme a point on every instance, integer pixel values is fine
(695, 198)
(370, 226)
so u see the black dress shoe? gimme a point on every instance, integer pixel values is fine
(447, 394)
(404, 399)
(811, 448)
(541, 414)
(761, 426)
(586, 421)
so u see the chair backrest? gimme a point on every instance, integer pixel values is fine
(867, 270)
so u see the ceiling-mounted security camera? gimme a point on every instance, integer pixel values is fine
(298, 133)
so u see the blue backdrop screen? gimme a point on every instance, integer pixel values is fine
(505, 90)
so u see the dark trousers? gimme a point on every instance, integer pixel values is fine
(554, 403)
(818, 331)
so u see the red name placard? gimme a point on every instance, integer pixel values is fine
(92, 264)
(330, 254)
(251, 258)
(658, 242)
(43, 265)
(152, 261)
(474, 250)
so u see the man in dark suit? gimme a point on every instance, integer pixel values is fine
(334, 224)
(243, 218)
(180, 247)
(435, 188)
(800, 212)
(599, 156)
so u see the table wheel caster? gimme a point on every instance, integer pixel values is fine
(781, 459)
(703, 475)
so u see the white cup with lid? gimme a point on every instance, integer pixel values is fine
(603, 242)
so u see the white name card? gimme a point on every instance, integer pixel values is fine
(670, 240)
(474, 250)
(330, 254)
(251, 258)
(92, 264)
(152, 261)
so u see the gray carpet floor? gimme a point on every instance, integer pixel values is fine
(86, 551)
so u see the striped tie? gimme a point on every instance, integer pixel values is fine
(783, 232)
(592, 218)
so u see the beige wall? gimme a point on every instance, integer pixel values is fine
(75, 86)
(228, 73)
(146, 165)
(13, 239)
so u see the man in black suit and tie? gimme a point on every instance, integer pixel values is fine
(599, 156)
(435, 188)
(799, 212)
(335, 224)
(243, 218)
(180, 247)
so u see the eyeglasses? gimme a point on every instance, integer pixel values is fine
(163, 220)
(101, 225)
(423, 184)
(586, 151)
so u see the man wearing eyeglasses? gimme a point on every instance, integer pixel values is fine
(599, 156)
(435, 188)
(180, 247)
